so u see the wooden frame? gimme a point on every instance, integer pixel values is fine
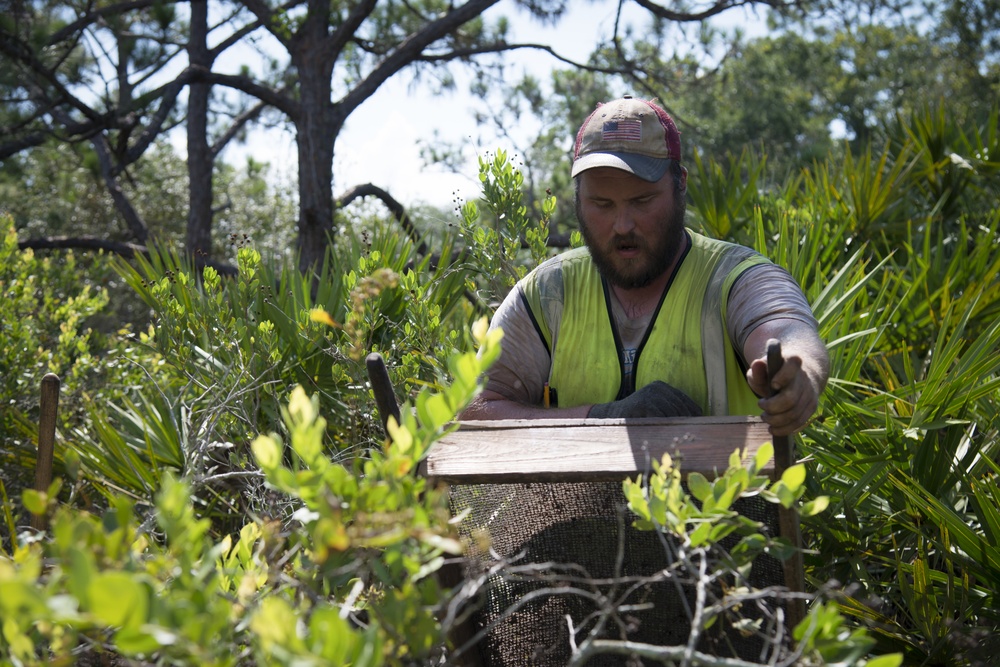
(588, 450)
(560, 450)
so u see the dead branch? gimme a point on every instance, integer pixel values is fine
(123, 249)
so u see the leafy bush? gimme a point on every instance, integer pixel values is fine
(699, 521)
(348, 581)
(906, 286)
(46, 316)
(226, 351)
(894, 249)
(496, 243)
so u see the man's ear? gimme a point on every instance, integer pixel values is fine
(684, 179)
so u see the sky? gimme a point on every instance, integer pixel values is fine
(380, 143)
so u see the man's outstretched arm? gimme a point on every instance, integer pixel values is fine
(656, 399)
(491, 405)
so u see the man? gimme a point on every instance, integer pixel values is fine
(650, 319)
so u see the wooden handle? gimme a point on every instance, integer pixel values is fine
(48, 409)
(782, 444)
(385, 398)
(788, 519)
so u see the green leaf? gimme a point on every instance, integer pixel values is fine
(794, 477)
(814, 507)
(699, 486)
(785, 495)
(35, 501)
(434, 410)
(890, 660)
(140, 642)
(274, 625)
(267, 451)
(332, 638)
(21, 600)
(700, 534)
(118, 600)
(781, 549)
(763, 455)
(401, 437)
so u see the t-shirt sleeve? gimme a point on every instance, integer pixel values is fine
(523, 367)
(763, 293)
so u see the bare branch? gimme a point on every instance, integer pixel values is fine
(713, 10)
(235, 38)
(395, 208)
(411, 49)
(238, 124)
(123, 249)
(90, 17)
(274, 98)
(654, 652)
(504, 47)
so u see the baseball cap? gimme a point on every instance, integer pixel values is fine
(630, 134)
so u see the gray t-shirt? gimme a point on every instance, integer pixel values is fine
(763, 292)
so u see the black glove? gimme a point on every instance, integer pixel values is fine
(657, 399)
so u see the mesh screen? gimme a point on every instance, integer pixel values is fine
(588, 558)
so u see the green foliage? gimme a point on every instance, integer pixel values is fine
(225, 351)
(903, 278)
(894, 248)
(699, 520)
(52, 191)
(495, 244)
(723, 196)
(47, 314)
(347, 582)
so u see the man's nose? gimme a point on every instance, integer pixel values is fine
(623, 221)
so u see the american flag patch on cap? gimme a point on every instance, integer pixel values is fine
(626, 129)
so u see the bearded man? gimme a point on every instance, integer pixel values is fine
(650, 319)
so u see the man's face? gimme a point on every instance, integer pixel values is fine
(633, 228)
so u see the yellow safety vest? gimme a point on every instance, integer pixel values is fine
(686, 345)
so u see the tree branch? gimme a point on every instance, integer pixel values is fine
(266, 15)
(411, 48)
(504, 47)
(273, 98)
(235, 38)
(18, 51)
(395, 208)
(714, 10)
(674, 654)
(89, 17)
(239, 122)
(347, 29)
(123, 249)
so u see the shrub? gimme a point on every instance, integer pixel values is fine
(47, 308)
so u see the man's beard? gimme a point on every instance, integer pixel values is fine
(655, 254)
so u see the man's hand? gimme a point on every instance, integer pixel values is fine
(791, 397)
(657, 399)
(795, 398)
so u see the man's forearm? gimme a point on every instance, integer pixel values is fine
(491, 405)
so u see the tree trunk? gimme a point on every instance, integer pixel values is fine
(315, 144)
(317, 126)
(200, 158)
